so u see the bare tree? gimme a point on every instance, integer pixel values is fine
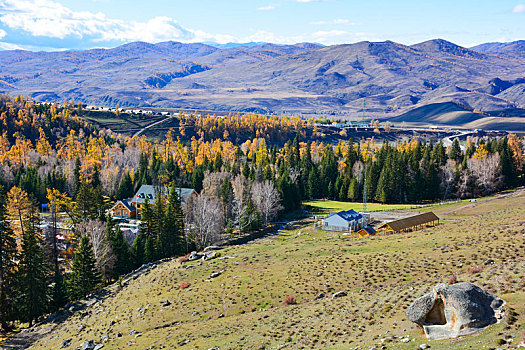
(485, 170)
(241, 191)
(267, 200)
(357, 171)
(208, 220)
(447, 176)
(96, 231)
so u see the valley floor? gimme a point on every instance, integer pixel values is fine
(241, 307)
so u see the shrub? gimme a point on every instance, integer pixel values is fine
(290, 300)
(184, 285)
(452, 280)
(184, 258)
(475, 269)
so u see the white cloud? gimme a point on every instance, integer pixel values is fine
(2, 33)
(47, 18)
(519, 8)
(266, 8)
(335, 21)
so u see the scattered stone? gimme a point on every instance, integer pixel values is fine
(405, 340)
(184, 342)
(111, 323)
(488, 262)
(216, 274)
(212, 247)
(133, 331)
(166, 303)
(339, 295)
(98, 346)
(424, 346)
(119, 334)
(320, 273)
(66, 343)
(88, 345)
(449, 311)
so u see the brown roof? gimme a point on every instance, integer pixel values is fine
(412, 221)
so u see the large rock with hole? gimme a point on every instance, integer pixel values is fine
(449, 311)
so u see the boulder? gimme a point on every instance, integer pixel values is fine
(339, 294)
(209, 255)
(194, 256)
(212, 247)
(449, 311)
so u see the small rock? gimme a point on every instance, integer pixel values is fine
(339, 295)
(319, 296)
(66, 343)
(88, 345)
(119, 334)
(320, 273)
(98, 346)
(166, 303)
(424, 346)
(488, 262)
(184, 342)
(215, 274)
(405, 340)
(104, 338)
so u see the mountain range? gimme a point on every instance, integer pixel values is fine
(387, 78)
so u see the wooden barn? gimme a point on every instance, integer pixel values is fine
(366, 232)
(412, 223)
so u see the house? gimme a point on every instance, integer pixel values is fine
(366, 232)
(344, 221)
(149, 193)
(123, 209)
(412, 223)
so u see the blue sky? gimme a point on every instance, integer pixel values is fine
(82, 24)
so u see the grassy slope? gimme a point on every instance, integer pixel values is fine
(328, 206)
(381, 275)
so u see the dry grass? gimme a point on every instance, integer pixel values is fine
(243, 307)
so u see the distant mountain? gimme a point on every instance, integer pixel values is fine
(515, 49)
(392, 78)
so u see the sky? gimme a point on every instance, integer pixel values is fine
(83, 24)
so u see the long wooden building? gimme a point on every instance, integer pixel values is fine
(412, 223)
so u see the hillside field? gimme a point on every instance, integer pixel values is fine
(242, 307)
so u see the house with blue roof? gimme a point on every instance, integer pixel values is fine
(344, 221)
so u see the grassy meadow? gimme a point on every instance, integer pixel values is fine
(243, 307)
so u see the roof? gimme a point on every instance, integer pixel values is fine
(126, 204)
(149, 192)
(349, 215)
(412, 221)
(369, 229)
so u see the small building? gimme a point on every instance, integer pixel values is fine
(123, 209)
(366, 232)
(344, 221)
(412, 223)
(149, 193)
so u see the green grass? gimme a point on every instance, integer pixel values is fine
(243, 307)
(328, 206)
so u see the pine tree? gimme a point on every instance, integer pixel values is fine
(76, 176)
(84, 276)
(149, 250)
(7, 264)
(125, 189)
(59, 291)
(123, 263)
(137, 250)
(32, 274)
